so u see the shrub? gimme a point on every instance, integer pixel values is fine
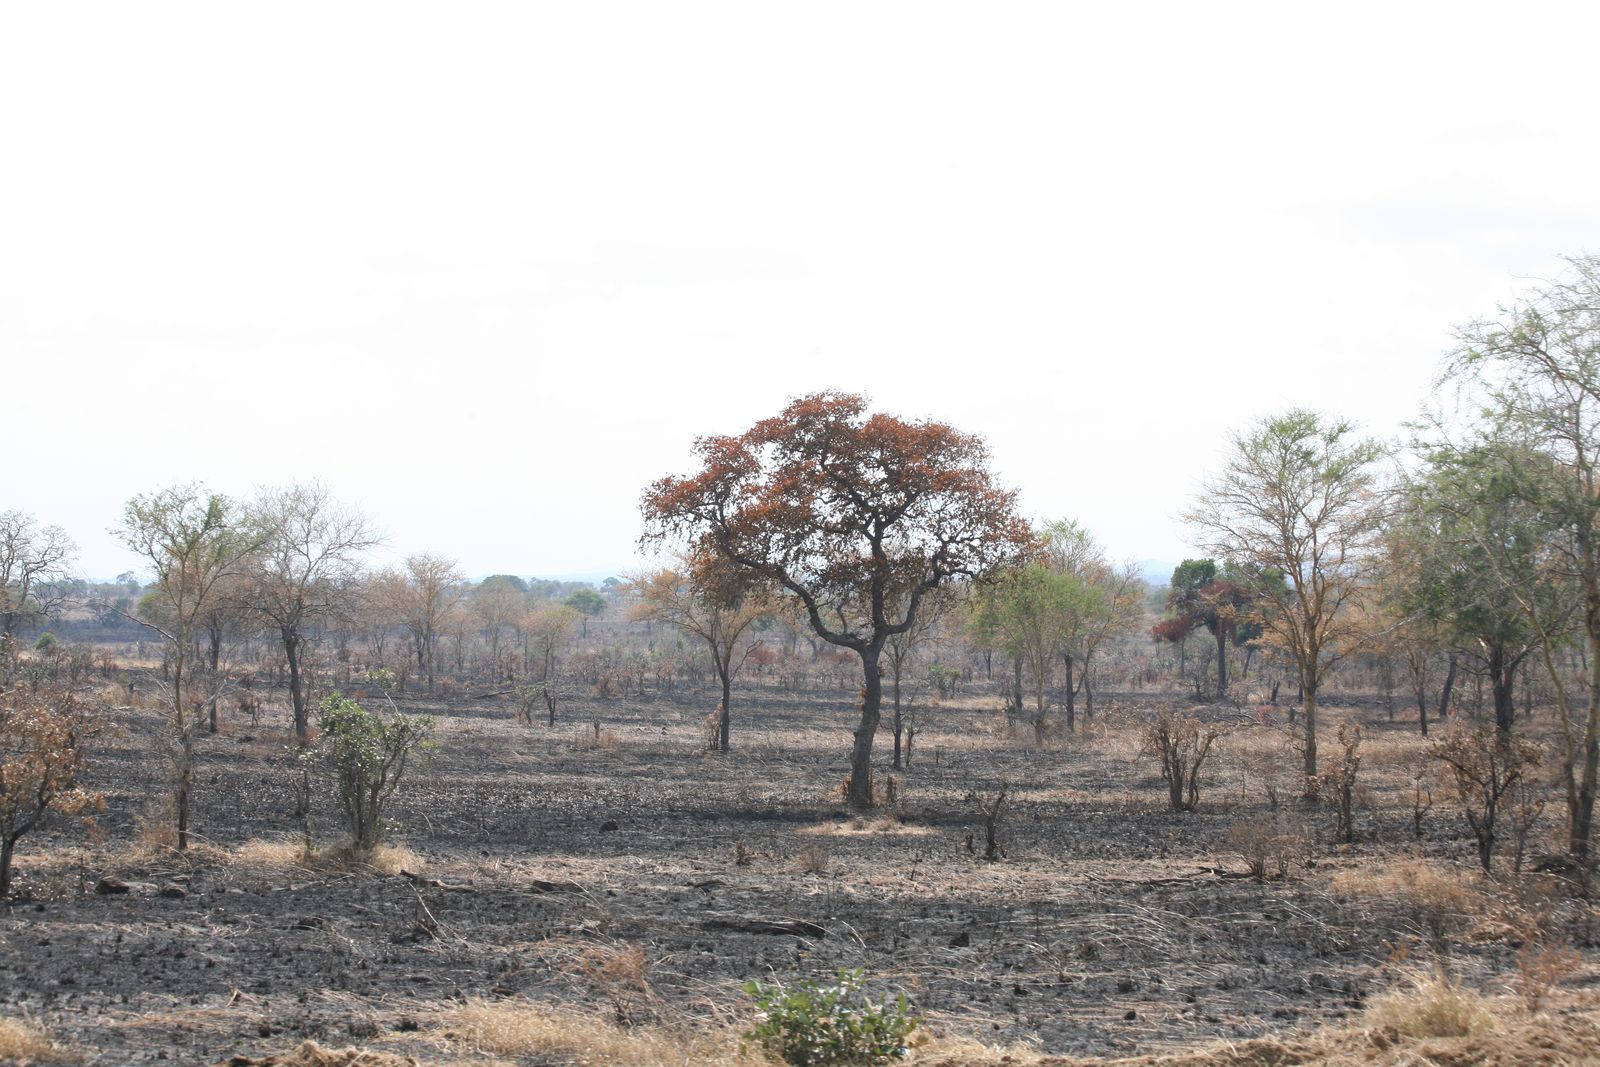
(815, 1026)
(1268, 844)
(368, 754)
(1180, 743)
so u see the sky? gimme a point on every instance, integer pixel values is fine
(487, 270)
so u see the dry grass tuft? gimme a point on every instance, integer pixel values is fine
(22, 1044)
(1444, 900)
(524, 1029)
(289, 852)
(1435, 1006)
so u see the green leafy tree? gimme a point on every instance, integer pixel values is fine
(1534, 369)
(194, 541)
(588, 604)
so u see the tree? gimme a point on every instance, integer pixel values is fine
(709, 599)
(42, 741)
(1535, 369)
(588, 604)
(898, 652)
(1102, 600)
(421, 595)
(1202, 594)
(30, 559)
(1029, 612)
(1297, 509)
(305, 572)
(1460, 538)
(194, 541)
(497, 603)
(860, 517)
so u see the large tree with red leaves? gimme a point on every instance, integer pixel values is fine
(858, 515)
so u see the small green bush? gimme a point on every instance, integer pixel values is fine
(368, 754)
(819, 1026)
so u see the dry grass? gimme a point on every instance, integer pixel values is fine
(1443, 899)
(1434, 1006)
(22, 1044)
(525, 1029)
(289, 852)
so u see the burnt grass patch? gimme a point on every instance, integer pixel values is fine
(532, 855)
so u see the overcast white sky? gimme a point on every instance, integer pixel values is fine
(487, 270)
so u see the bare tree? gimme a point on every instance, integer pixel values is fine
(30, 558)
(305, 571)
(1297, 508)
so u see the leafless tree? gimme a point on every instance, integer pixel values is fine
(305, 571)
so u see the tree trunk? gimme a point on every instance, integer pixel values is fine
(1222, 661)
(898, 723)
(1583, 816)
(1444, 691)
(1502, 680)
(727, 695)
(860, 792)
(216, 658)
(1072, 694)
(7, 845)
(297, 696)
(1311, 734)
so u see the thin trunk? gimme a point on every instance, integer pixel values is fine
(726, 674)
(898, 723)
(1311, 734)
(216, 657)
(860, 792)
(1583, 816)
(1444, 691)
(1072, 694)
(1222, 661)
(7, 845)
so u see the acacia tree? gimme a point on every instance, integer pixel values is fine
(1460, 538)
(859, 516)
(1297, 508)
(1536, 367)
(305, 572)
(194, 541)
(707, 598)
(30, 558)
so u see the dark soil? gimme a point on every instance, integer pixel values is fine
(1111, 926)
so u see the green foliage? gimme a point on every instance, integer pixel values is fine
(503, 581)
(368, 755)
(47, 641)
(587, 602)
(945, 680)
(813, 1026)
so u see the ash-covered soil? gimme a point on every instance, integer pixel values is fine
(629, 872)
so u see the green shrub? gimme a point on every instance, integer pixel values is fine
(368, 754)
(818, 1026)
